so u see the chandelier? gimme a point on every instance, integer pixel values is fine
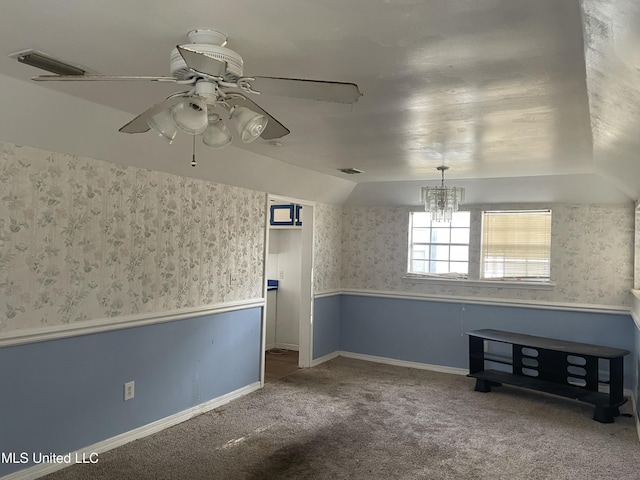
(442, 201)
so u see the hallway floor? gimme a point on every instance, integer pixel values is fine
(279, 363)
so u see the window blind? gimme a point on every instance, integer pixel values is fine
(516, 244)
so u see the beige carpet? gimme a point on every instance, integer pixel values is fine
(349, 419)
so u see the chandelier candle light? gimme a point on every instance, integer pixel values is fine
(442, 201)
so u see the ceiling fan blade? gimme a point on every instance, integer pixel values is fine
(94, 78)
(203, 64)
(311, 89)
(140, 125)
(274, 128)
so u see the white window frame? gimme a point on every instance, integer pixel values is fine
(432, 224)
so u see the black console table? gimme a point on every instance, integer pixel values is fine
(568, 369)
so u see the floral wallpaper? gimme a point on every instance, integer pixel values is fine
(82, 239)
(374, 248)
(327, 247)
(592, 254)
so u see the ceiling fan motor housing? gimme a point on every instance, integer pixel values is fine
(210, 43)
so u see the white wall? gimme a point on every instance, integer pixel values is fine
(284, 265)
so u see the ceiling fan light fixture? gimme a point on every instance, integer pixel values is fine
(250, 124)
(163, 125)
(191, 116)
(216, 134)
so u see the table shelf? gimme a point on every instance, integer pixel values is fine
(552, 366)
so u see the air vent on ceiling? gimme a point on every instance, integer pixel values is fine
(350, 171)
(45, 62)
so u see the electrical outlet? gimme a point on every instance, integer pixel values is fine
(281, 275)
(129, 390)
(233, 279)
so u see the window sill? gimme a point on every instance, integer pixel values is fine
(523, 284)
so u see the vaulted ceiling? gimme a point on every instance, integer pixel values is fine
(523, 100)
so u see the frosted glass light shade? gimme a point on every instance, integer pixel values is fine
(163, 125)
(217, 134)
(190, 116)
(250, 124)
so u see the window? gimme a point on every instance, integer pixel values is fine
(439, 248)
(516, 245)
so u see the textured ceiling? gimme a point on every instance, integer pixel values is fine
(544, 93)
(612, 57)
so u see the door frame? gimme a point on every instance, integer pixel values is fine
(305, 318)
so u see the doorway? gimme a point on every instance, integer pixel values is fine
(279, 363)
(287, 319)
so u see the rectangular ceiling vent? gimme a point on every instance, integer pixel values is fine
(45, 62)
(350, 171)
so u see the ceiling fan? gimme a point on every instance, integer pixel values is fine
(216, 100)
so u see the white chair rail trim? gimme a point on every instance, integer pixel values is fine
(574, 307)
(33, 335)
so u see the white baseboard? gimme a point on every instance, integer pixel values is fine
(389, 361)
(43, 469)
(325, 358)
(404, 363)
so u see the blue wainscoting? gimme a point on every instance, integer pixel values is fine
(636, 361)
(433, 332)
(63, 395)
(326, 325)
